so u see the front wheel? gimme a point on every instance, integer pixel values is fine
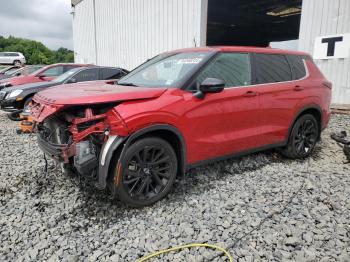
(303, 138)
(147, 172)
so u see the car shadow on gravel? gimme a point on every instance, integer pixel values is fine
(101, 207)
(196, 180)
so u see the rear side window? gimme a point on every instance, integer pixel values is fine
(298, 66)
(233, 68)
(271, 69)
(87, 75)
(111, 73)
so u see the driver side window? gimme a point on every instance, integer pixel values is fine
(233, 68)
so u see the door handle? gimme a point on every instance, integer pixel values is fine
(298, 88)
(250, 94)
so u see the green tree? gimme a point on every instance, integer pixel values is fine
(36, 52)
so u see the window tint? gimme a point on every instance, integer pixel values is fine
(53, 71)
(87, 75)
(69, 67)
(298, 66)
(111, 73)
(271, 68)
(12, 54)
(233, 68)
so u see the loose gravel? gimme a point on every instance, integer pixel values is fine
(231, 203)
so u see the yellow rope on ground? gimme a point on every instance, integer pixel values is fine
(186, 246)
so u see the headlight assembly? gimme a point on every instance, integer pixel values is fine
(14, 93)
(6, 84)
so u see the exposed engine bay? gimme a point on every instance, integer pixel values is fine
(74, 136)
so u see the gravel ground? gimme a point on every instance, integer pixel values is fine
(53, 217)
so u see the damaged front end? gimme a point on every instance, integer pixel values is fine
(78, 137)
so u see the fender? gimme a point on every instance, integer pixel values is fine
(300, 112)
(114, 142)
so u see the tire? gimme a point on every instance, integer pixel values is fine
(15, 116)
(303, 138)
(17, 63)
(141, 183)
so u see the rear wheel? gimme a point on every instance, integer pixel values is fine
(17, 63)
(147, 173)
(303, 138)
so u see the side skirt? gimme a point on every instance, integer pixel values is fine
(235, 155)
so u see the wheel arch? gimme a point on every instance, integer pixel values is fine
(165, 131)
(169, 133)
(314, 110)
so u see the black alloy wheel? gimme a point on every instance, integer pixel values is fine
(148, 171)
(303, 138)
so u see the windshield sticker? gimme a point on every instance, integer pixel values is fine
(169, 82)
(196, 60)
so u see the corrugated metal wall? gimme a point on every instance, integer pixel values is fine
(327, 17)
(83, 32)
(128, 32)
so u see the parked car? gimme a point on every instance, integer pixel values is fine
(22, 71)
(12, 58)
(5, 69)
(44, 74)
(18, 97)
(180, 110)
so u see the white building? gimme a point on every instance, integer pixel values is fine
(125, 33)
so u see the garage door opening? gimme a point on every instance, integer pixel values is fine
(251, 22)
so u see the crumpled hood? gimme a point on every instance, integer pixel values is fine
(54, 99)
(94, 93)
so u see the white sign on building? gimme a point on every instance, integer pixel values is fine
(332, 46)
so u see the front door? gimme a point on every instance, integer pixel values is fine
(223, 123)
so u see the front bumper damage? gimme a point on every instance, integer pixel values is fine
(89, 143)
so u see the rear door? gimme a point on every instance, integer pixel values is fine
(223, 123)
(279, 95)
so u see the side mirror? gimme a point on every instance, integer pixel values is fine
(210, 85)
(71, 81)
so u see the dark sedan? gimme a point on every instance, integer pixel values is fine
(17, 97)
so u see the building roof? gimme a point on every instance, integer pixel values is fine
(248, 49)
(75, 2)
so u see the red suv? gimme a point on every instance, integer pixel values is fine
(46, 73)
(182, 109)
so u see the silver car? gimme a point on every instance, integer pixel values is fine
(13, 58)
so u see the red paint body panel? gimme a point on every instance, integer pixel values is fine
(221, 124)
(97, 92)
(34, 78)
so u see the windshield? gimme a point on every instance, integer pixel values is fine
(165, 70)
(66, 75)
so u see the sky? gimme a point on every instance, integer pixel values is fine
(47, 21)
